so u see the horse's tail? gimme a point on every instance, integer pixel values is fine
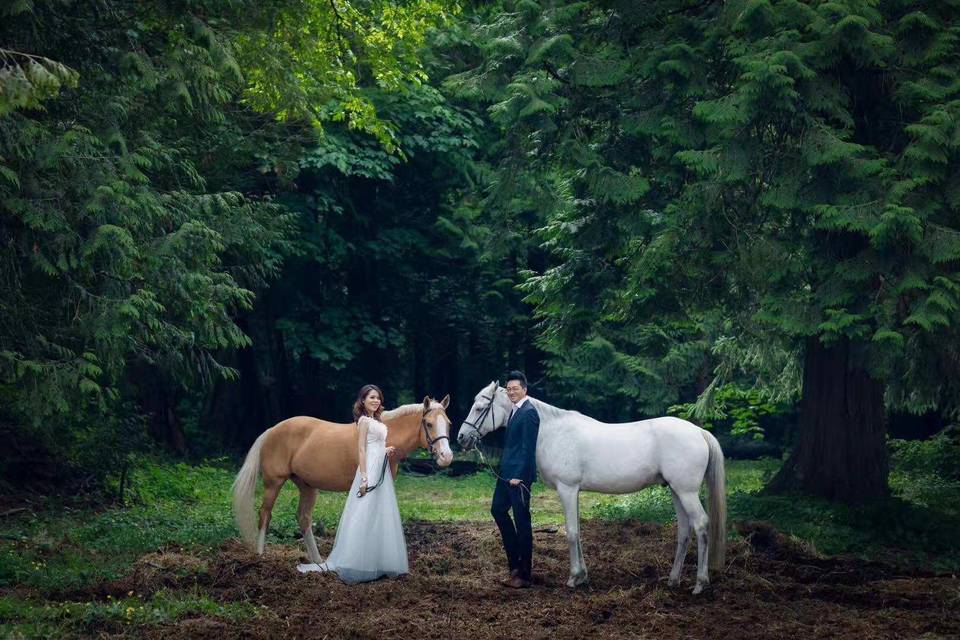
(244, 487)
(716, 479)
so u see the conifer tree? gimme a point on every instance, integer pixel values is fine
(142, 149)
(749, 180)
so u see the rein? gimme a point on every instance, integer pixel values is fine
(383, 471)
(489, 467)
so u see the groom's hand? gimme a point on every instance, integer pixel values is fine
(514, 482)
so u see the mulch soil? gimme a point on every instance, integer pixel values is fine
(773, 587)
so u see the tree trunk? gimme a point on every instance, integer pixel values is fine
(158, 399)
(240, 410)
(840, 453)
(165, 426)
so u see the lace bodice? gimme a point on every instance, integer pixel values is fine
(376, 430)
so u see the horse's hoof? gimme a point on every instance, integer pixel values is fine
(673, 582)
(575, 581)
(699, 588)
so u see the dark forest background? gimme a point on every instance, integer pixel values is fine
(215, 215)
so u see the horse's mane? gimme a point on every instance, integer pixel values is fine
(402, 410)
(549, 411)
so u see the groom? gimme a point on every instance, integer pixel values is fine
(518, 470)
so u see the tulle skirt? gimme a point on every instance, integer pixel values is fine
(369, 542)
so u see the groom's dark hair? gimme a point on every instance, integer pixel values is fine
(518, 376)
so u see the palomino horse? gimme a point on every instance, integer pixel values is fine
(320, 455)
(576, 452)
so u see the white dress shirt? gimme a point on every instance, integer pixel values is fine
(516, 407)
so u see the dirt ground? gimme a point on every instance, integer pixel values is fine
(772, 588)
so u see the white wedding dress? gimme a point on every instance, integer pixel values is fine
(369, 542)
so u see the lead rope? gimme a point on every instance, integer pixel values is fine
(490, 468)
(430, 442)
(383, 471)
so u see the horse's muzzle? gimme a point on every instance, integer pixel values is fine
(443, 459)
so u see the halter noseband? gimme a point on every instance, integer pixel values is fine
(430, 443)
(483, 415)
(426, 429)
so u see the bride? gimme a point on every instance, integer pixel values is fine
(369, 542)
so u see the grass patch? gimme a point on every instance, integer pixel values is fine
(54, 548)
(24, 618)
(467, 498)
(654, 504)
(915, 527)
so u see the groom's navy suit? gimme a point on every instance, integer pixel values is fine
(519, 461)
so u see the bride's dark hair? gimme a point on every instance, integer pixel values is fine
(361, 396)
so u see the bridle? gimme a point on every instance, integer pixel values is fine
(489, 410)
(426, 434)
(426, 428)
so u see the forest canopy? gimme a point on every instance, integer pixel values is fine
(215, 215)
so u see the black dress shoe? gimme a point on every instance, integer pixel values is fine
(518, 582)
(514, 573)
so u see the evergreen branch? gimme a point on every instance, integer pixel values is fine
(553, 72)
(687, 9)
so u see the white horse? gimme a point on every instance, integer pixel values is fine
(576, 452)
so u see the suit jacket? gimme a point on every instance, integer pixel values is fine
(519, 458)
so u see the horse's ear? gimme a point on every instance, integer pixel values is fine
(426, 403)
(446, 401)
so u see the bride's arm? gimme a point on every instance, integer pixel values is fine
(362, 450)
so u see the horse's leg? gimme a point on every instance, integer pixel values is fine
(683, 539)
(698, 519)
(570, 499)
(271, 487)
(308, 498)
(583, 563)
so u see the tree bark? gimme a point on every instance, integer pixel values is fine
(840, 453)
